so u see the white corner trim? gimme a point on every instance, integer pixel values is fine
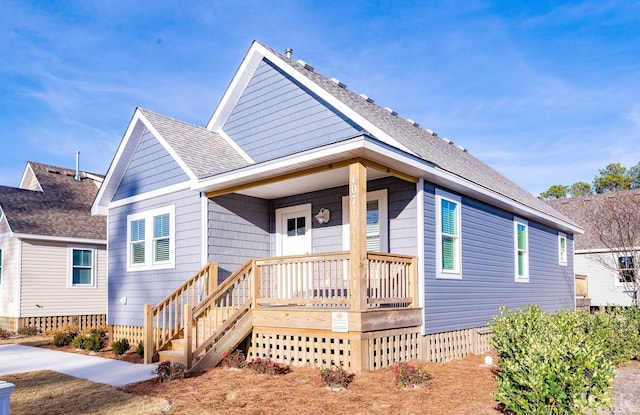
(204, 228)
(420, 245)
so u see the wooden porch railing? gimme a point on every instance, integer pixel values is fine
(164, 321)
(314, 281)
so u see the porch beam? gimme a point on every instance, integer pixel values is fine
(358, 235)
(314, 170)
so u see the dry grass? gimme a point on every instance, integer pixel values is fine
(461, 386)
(47, 392)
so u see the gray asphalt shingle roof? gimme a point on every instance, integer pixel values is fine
(61, 209)
(427, 145)
(205, 152)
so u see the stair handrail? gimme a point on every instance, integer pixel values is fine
(234, 311)
(158, 332)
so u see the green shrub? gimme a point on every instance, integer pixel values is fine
(550, 364)
(140, 349)
(79, 341)
(29, 331)
(170, 371)
(618, 332)
(120, 347)
(94, 341)
(64, 336)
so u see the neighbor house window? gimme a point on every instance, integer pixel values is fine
(82, 267)
(627, 269)
(151, 239)
(448, 235)
(521, 243)
(562, 249)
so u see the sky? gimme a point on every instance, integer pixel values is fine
(545, 92)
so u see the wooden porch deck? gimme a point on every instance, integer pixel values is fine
(299, 310)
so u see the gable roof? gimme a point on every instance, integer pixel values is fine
(385, 125)
(579, 208)
(61, 210)
(191, 146)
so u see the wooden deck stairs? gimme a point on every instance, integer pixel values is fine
(307, 309)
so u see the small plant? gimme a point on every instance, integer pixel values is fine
(29, 331)
(335, 377)
(267, 366)
(94, 341)
(4, 334)
(65, 335)
(120, 347)
(236, 359)
(168, 371)
(140, 349)
(407, 375)
(79, 341)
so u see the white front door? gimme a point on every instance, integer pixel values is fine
(293, 230)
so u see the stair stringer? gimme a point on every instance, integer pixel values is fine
(229, 340)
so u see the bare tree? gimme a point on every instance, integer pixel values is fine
(615, 222)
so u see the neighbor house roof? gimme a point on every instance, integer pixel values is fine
(57, 207)
(579, 209)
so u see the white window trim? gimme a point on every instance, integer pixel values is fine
(456, 273)
(94, 266)
(520, 278)
(279, 231)
(148, 215)
(383, 215)
(563, 261)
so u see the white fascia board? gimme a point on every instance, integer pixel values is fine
(116, 169)
(61, 239)
(602, 250)
(331, 99)
(150, 195)
(167, 147)
(27, 169)
(256, 171)
(247, 68)
(235, 146)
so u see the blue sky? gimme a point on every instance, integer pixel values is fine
(546, 92)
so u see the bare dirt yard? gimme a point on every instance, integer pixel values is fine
(461, 386)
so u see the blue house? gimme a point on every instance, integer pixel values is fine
(307, 223)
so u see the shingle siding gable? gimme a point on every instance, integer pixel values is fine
(276, 116)
(151, 168)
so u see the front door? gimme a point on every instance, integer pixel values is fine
(293, 230)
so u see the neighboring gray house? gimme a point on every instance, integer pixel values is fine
(312, 179)
(604, 284)
(53, 259)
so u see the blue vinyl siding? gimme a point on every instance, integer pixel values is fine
(328, 237)
(238, 231)
(151, 168)
(488, 270)
(277, 116)
(149, 287)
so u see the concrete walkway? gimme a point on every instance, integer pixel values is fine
(16, 358)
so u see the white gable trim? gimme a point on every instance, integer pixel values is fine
(150, 195)
(136, 129)
(60, 239)
(242, 77)
(27, 170)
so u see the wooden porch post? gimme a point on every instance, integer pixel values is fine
(358, 235)
(147, 334)
(187, 325)
(213, 277)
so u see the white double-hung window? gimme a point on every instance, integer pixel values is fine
(521, 249)
(82, 266)
(562, 249)
(151, 239)
(448, 235)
